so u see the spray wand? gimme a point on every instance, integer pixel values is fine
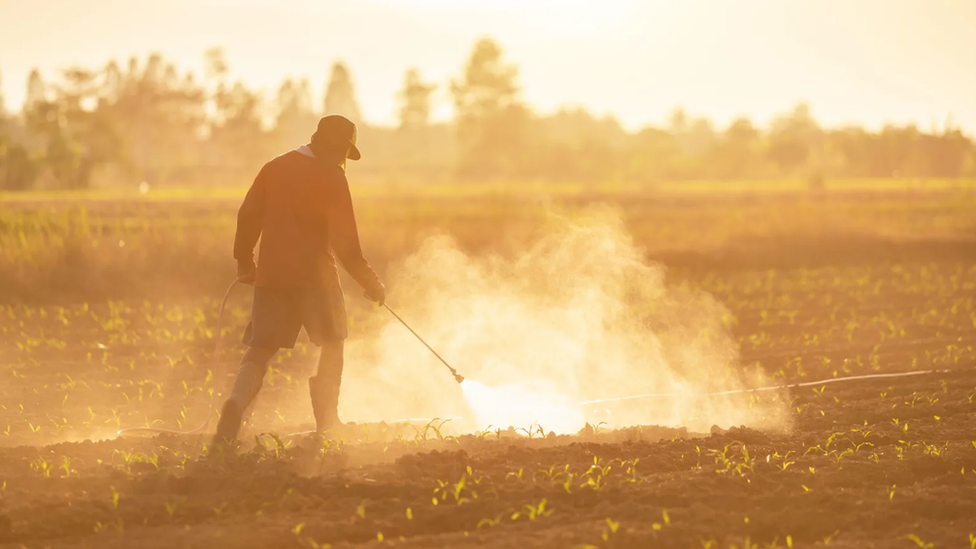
(454, 372)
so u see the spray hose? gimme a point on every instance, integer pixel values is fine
(213, 392)
(457, 377)
(768, 388)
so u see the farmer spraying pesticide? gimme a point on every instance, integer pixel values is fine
(300, 206)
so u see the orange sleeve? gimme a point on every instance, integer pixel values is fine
(250, 218)
(344, 236)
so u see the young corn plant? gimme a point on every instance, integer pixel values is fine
(609, 530)
(631, 468)
(66, 466)
(461, 490)
(920, 542)
(488, 523)
(172, 505)
(533, 512)
(42, 466)
(596, 474)
(932, 450)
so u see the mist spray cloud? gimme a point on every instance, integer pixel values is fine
(578, 315)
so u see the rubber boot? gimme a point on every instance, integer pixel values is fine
(229, 424)
(247, 384)
(325, 403)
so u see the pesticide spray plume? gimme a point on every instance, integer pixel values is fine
(577, 314)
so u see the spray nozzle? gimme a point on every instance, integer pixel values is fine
(458, 377)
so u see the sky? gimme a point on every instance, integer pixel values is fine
(866, 62)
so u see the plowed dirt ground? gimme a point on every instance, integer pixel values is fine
(887, 463)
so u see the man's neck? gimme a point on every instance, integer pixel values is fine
(327, 156)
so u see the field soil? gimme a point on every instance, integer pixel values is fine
(885, 462)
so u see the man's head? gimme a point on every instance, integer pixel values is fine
(336, 134)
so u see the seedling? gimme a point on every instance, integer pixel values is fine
(918, 541)
(932, 450)
(66, 466)
(488, 523)
(41, 466)
(533, 511)
(172, 505)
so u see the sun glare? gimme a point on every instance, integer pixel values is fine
(520, 406)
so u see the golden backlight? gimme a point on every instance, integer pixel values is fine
(484, 274)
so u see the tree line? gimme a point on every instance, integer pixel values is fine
(149, 122)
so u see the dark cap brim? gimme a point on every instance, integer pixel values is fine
(353, 153)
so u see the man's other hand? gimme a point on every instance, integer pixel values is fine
(376, 295)
(245, 272)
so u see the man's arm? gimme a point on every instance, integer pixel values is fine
(344, 239)
(250, 219)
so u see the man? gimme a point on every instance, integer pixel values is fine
(300, 206)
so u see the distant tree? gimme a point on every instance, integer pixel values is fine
(491, 121)
(678, 121)
(18, 171)
(240, 135)
(215, 70)
(5, 140)
(81, 140)
(112, 83)
(654, 154)
(340, 96)
(3, 110)
(699, 139)
(414, 101)
(144, 120)
(794, 141)
(948, 152)
(573, 145)
(43, 123)
(157, 117)
(36, 96)
(295, 118)
(215, 64)
(736, 154)
(5, 143)
(696, 141)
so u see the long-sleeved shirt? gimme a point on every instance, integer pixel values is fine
(302, 210)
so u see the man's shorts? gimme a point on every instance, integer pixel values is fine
(278, 315)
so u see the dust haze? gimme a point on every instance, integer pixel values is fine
(578, 315)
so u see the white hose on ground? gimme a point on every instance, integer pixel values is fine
(770, 388)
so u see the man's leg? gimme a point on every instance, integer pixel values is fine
(246, 386)
(324, 386)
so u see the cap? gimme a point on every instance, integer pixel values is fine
(338, 130)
